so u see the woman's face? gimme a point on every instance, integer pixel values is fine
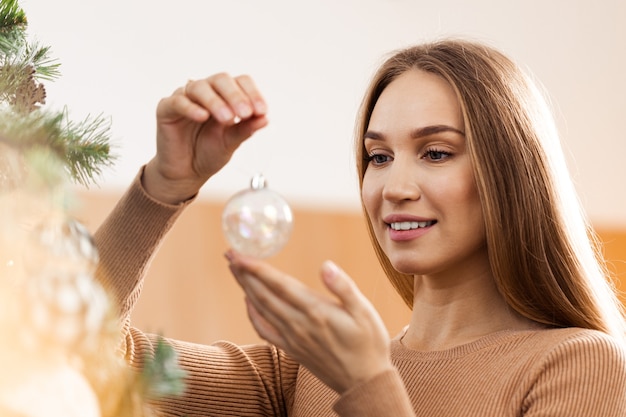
(418, 189)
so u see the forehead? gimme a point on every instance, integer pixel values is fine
(417, 98)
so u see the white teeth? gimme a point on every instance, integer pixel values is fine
(409, 225)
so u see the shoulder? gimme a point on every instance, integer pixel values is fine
(584, 358)
(582, 342)
(580, 349)
(583, 371)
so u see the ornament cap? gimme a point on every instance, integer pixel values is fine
(258, 182)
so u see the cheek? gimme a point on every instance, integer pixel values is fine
(465, 194)
(456, 188)
(370, 195)
(466, 197)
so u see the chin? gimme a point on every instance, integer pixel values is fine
(413, 264)
(407, 266)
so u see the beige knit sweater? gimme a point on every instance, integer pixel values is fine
(546, 373)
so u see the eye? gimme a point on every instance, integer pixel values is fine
(377, 158)
(436, 155)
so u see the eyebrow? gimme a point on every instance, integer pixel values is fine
(418, 133)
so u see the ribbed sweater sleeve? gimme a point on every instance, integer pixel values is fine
(383, 395)
(128, 239)
(224, 379)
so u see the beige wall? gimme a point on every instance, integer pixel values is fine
(190, 294)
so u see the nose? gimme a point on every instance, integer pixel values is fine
(401, 182)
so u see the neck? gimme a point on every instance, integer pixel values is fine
(448, 313)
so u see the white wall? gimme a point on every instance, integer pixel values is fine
(312, 60)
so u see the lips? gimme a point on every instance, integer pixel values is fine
(403, 227)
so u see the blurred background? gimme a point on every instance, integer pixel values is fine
(312, 60)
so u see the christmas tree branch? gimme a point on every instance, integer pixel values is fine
(87, 148)
(83, 147)
(11, 15)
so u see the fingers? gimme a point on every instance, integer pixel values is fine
(255, 275)
(262, 326)
(226, 98)
(178, 106)
(291, 290)
(271, 315)
(297, 295)
(257, 101)
(342, 286)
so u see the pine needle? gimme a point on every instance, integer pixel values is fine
(87, 148)
(161, 375)
(83, 148)
(11, 15)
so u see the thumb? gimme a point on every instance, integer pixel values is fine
(341, 285)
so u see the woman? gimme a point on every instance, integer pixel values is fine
(471, 213)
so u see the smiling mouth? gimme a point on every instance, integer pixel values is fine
(411, 225)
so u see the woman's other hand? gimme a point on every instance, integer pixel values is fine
(341, 339)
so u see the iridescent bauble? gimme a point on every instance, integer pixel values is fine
(13, 170)
(65, 304)
(257, 221)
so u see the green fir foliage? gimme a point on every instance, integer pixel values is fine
(11, 16)
(161, 375)
(82, 147)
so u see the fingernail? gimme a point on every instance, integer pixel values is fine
(330, 270)
(200, 113)
(260, 107)
(225, 114)
(244, 111)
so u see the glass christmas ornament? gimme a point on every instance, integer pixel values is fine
(12, 168)
(257, 221)
(12, 174)
(65, 302)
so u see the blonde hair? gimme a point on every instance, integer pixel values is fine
(543, 253)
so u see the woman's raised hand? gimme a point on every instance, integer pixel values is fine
(341, 338)
(198, 128)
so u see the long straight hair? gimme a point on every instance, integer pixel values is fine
(543, 253)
